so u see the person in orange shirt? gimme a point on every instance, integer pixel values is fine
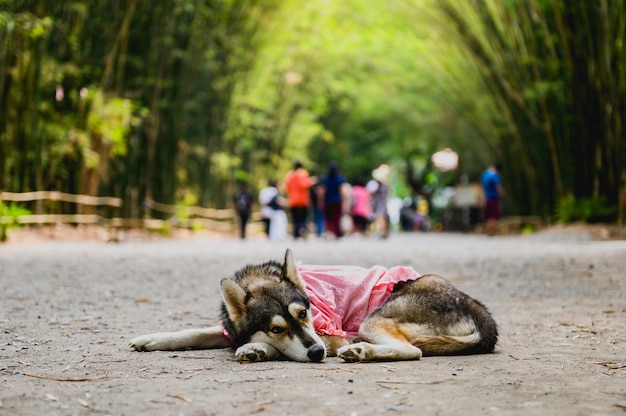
(297, 184)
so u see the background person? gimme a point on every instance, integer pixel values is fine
(268, 198)
(333, 208)
(361, 207)
(317, 208)
(379, 189)
(491, 181)
(297, 184)
(243, 207)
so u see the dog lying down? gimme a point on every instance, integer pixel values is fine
(305, 313)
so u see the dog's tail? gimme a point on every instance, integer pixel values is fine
(447, 344)
(481, 340)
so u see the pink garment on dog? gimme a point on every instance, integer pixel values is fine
(342, 296)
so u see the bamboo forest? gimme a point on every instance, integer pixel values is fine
(178, 101)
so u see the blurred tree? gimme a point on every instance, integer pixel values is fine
(176, 100)
(557, 74)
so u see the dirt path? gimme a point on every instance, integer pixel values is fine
(68, 310)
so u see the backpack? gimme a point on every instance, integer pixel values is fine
(274, 203)
(243, 201)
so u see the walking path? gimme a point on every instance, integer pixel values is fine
(68, 310)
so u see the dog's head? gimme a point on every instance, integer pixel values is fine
(268, 303)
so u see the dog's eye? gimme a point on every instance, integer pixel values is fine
(277, 330)
(302, 314)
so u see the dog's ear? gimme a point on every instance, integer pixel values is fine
(290, 271)
(234, 299)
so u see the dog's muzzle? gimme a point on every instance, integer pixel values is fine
(316, 353)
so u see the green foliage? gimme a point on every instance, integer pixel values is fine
(570, 209)
(174, 98)
(551, 114)
(12, 212)
(111, 120)
(9, 217)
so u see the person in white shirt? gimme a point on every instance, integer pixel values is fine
(272, 213)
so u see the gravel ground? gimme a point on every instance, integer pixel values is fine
(69, 308)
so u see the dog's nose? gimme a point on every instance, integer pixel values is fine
(316, 353)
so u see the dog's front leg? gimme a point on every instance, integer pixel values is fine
(256, 351)
(333, 343)
(212, 337)
(390, 351)
(383, 340)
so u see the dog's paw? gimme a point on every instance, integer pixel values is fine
(145, 343)
(353, 353)
(253, 352)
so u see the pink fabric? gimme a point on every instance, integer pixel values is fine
(227, 335)
(342, 296)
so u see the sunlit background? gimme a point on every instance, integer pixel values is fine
(177, 100)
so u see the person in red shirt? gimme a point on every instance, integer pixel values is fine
(297, 184)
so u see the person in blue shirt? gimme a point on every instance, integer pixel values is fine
(494, 192)
(331, 190)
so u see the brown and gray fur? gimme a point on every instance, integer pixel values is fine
(266, 312)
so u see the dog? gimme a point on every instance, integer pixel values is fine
(275, 311)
